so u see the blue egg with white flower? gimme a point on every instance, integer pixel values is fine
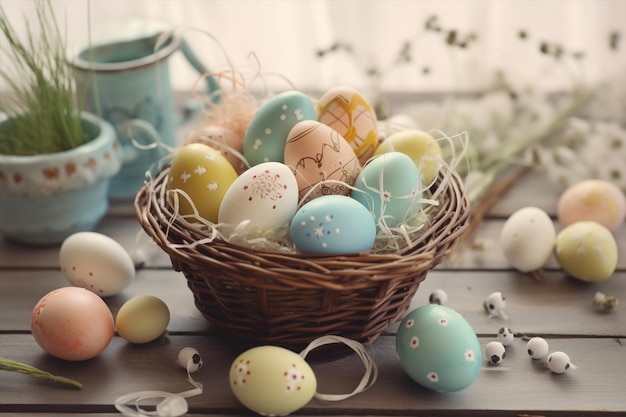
(332, 224)
(438, 348)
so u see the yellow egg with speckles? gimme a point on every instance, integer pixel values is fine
(420, 146)
(587, 251)
(198, 179)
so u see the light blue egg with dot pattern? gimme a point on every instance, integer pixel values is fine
(267, 132)
(332, 224)
(390, 186)
(438, 348)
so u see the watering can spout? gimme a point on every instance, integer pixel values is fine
(212, 85)
(123, 75)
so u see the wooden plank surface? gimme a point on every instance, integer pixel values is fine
(558, 308)
(518, 384)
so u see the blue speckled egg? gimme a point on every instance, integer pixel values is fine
(390, 186)
(438, 348)
(332, 224)
(267, 132)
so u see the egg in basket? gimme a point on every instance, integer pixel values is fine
(316, 226)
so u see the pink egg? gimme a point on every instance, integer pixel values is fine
(225, 141)
(317, 153)
(72, 323)
(592, 200)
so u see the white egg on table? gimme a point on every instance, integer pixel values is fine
(527, 239)
(96, 262)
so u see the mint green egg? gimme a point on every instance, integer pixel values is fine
(267, 132)
(438, 348)
(390, 187)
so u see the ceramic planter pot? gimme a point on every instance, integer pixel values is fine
(45, 198)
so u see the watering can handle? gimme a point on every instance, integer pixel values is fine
(212, 85)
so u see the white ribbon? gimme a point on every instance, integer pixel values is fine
(172, 405)
(371, 370)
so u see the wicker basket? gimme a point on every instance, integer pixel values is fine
(290, 299)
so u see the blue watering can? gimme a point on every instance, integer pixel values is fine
(123, 76)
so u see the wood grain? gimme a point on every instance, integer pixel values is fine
(558, 308)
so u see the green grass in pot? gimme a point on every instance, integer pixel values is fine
(40, 103)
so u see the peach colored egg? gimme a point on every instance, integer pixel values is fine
(72, 323)
(318, 153)
(592, 200)
(225, 141)
(349, 113)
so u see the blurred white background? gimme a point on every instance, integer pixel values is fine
(286, 35)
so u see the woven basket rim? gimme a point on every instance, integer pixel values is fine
(449, 221)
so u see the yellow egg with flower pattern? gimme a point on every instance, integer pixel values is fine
(197, 181)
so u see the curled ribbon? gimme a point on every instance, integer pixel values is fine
(172, 405)
(371, 370)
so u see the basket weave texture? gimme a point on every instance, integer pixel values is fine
(290, 299)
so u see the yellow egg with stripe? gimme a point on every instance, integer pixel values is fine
(197, 181)
(349, 113)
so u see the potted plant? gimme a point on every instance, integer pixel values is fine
(55, 161)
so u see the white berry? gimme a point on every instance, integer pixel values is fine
(559, 362)
(495, 352)
(505, 336)
(537, 347)
(495, 304)
(438, 297)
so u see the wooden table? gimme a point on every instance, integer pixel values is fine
(560, 309)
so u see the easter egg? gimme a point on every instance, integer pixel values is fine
(317, 154)
(438, 348)
(266, 195)
(142, 319)
(527, 239)
(204, 175)
(390, 187)
(223, 140)
(592, 200)
(420, 146)
(267, 132)
(96, 262)
(72, 323)
(345, 110)
(272, 381)
(332, 224)
(586, 251)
